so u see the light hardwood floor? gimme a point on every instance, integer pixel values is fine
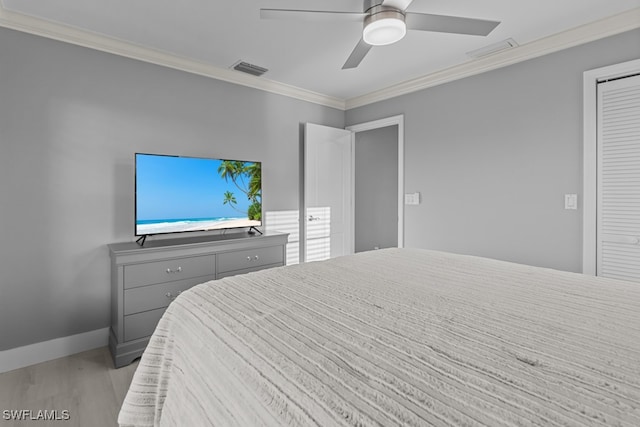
(85, 384)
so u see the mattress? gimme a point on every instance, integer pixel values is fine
(395, 337)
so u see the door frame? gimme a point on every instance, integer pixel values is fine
(590, 155)
(377, 124)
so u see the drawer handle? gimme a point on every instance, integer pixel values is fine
(171, 296)
(177, 270)
(255, 258)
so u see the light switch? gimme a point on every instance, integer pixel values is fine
(412, 199)
(571, 201)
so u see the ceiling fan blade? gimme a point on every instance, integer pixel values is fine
(397, 4)
(312, 15)
(449, 24)
(358, 54)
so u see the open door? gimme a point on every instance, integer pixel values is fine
(327, 227)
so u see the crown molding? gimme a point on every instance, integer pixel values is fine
(606, 27)
(76, 36)
(616, 24)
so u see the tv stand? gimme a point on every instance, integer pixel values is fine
(144, 280)
(142, 239)
(253, 230)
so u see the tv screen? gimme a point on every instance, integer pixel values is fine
(175, 194)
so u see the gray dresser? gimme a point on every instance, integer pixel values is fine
(144, 280)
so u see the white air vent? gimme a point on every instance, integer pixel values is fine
(493, 48)
(245, 67)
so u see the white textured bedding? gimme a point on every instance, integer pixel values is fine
(395, 337)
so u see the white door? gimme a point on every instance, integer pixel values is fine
(327, 228)
(618, 179)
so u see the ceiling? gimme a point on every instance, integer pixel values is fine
(305, 58)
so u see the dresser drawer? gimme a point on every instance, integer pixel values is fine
(168, 270)
(245, 270)
(145, 298)
(250, 259)
(141, 325)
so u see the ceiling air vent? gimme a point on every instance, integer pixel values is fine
(493, 48)
(245, 67)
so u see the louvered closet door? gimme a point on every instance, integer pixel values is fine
(618, 230)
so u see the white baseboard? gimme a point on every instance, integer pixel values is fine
(31, 354)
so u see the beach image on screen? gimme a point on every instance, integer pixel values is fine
(176, 194)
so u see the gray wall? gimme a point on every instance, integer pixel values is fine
(70, 120)
(492, 156)
(376, 188)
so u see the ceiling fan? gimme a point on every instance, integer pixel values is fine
(386, 22)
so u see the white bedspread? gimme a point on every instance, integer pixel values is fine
(395, 337)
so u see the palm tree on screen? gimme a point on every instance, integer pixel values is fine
(247, 177)
(230, 199)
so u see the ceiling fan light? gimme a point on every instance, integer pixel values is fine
(384, 28)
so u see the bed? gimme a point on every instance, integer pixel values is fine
(395, 337)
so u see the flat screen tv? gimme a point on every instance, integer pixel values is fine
(175, 194)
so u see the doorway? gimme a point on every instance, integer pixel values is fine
(376, 189)
(395, 126)
(328, 156)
